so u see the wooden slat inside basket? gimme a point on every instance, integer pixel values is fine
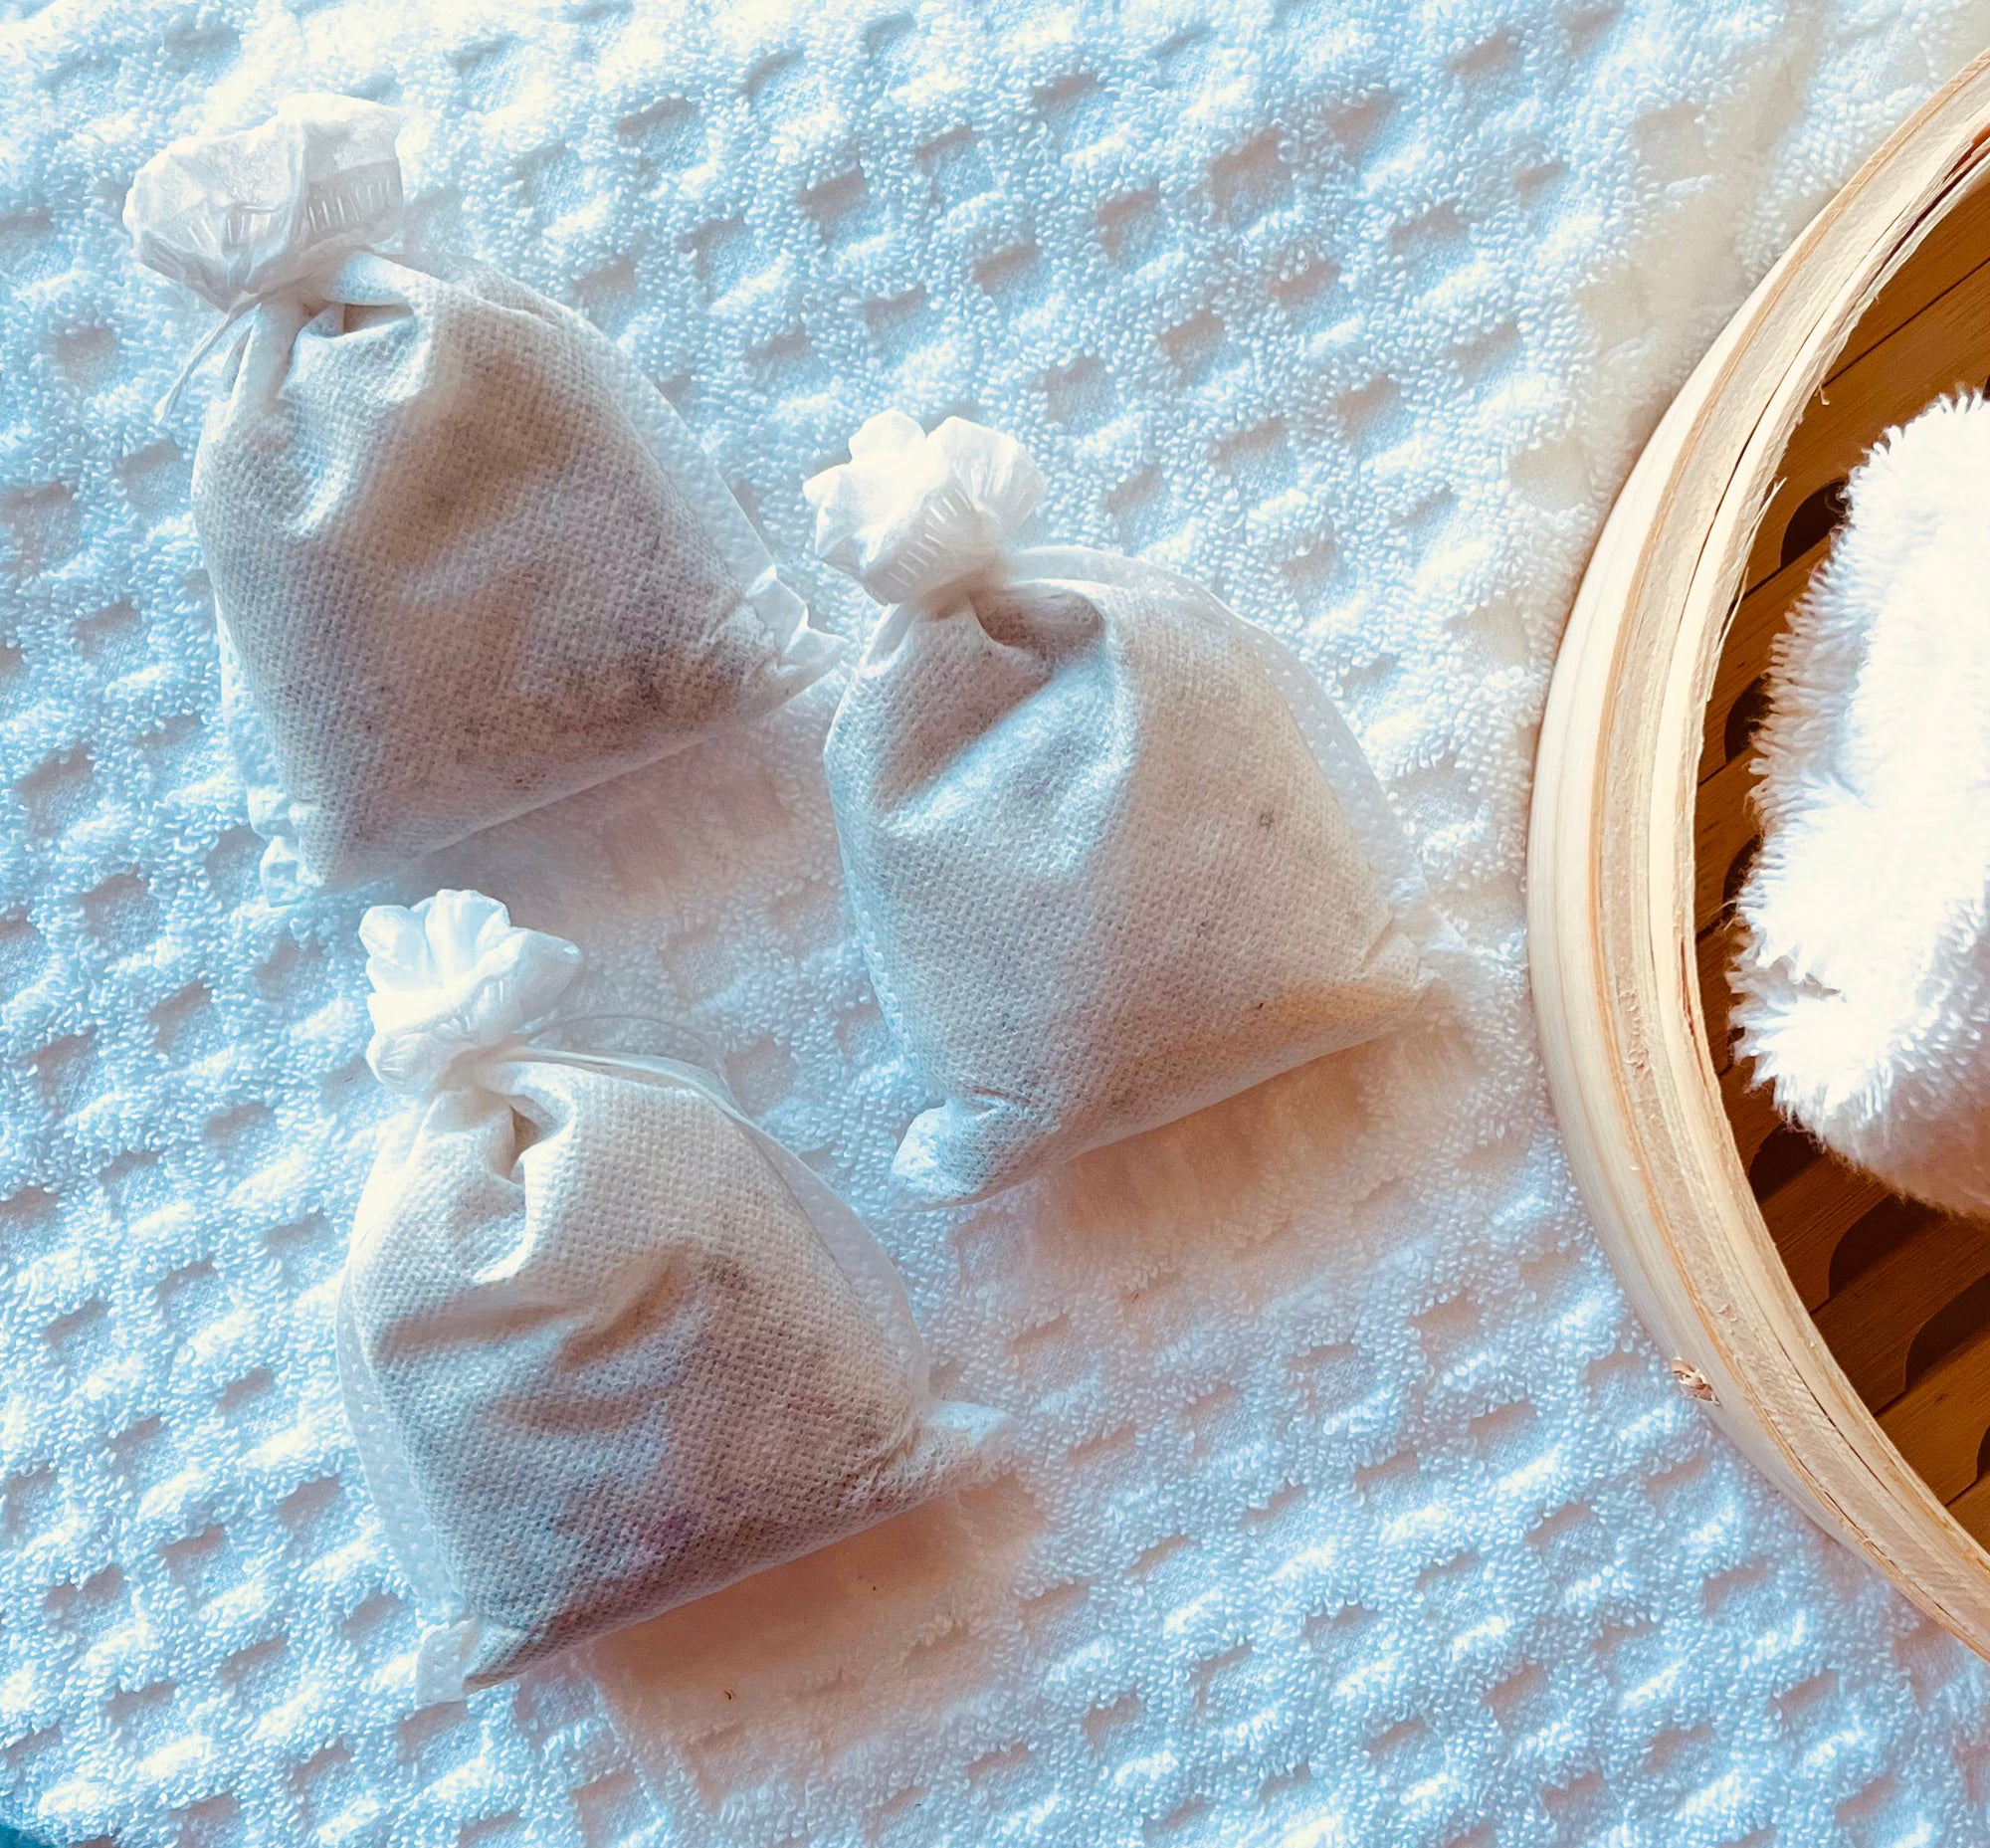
(1901, 1292)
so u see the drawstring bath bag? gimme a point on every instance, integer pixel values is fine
(606, 1347)
(1112, 855)
(466, 558)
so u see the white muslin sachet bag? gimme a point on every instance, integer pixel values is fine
(466, 558)
(605, 1344)
(1112, 855)
(1863, 979)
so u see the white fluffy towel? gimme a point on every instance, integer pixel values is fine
(1864, 981)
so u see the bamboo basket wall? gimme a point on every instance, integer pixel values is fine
(1840, 1335)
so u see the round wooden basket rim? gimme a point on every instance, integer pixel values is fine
(1610, 878)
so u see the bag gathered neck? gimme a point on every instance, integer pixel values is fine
(912, 516)
(455, 985)
(244, 218)
(457, 988)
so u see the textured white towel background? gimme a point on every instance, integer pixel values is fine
(1351, 1506)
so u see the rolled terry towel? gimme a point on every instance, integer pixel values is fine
(1863, 984)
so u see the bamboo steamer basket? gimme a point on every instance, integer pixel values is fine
(1798, 1300)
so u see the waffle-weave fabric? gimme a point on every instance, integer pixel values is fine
(1349, 1503)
